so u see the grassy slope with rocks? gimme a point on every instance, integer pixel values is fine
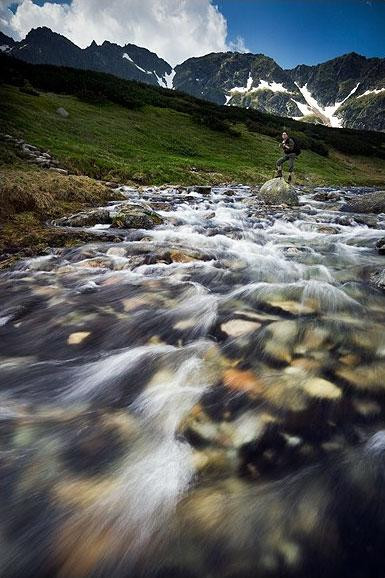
(153, 145)
(30, 196)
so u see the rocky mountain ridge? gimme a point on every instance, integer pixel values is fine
(348, 91)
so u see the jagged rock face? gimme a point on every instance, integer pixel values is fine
(348, 91)
(42, 46)
(250, 80)
(6, 43)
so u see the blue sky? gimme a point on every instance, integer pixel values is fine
(307, 31)
(290, 31)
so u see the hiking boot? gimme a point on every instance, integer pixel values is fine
(278, 174)
(289, 178)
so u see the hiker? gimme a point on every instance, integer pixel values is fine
(290, 152)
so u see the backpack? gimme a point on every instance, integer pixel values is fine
(297, 148)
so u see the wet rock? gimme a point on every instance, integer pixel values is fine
(365, 377)
(322, 389)
(368, 220)
(214, 462)
(242, 380)
(327, 230)
(77, 337)
(377, 279)
(277, 191)
(116, 252)
(325, 196)
(136, 217)
(238, 327)
(62, 112)
(380, 245)
(181, 257)
(367, 203)
(85, 219)
(229, 193)
(202, 190)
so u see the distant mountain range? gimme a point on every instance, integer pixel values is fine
(348, 91)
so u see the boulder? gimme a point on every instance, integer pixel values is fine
(278, 191)
(367, 203)
(85, 219)
(135, 217)
(62, 112)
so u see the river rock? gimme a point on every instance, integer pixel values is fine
(238, 327)
(277, 191)
(201, 189)
(325, 196)
(85, 219)
(365, 377)
(136, 217)
(367, 203)
(380, 245)
(377, 279)
(322, 389)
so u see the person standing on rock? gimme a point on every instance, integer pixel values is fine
(288, 146)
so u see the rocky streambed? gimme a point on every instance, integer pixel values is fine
(203, 398)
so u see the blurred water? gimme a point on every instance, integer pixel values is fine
(201, 399)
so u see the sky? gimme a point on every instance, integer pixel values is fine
(290, 31)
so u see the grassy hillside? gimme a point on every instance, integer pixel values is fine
(154, 145)
(128, 131)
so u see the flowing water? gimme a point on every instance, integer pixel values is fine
(204, 399)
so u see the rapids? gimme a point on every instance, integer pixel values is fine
(204, 399)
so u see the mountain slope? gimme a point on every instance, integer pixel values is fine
(249, 80)
(348, 91)
(42, 46)
(6, 43)
(124, 130)
(333, 93)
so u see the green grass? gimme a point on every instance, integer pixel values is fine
(155, 145)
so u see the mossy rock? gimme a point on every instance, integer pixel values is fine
(135, 217)
(368, 203)
(278, 191)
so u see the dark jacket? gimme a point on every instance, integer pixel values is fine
(288, 146)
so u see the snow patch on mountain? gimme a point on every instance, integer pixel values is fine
(374, 91)
(273, 86)
(5, 48)
(169, 78)
(125, 55)
(165, 81)
(250, 89)
(244, 89)
(327, 114)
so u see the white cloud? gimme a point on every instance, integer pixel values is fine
(238, 45)
(174, 29)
